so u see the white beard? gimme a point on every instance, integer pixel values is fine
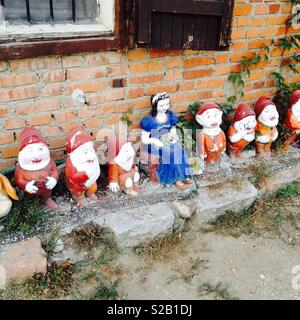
(33, 166)
(212, 131)
(125, 165)
(269, 123)
(297, 116)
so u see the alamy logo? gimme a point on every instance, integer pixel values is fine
(296, 17)
(296, 278)
(2, 277)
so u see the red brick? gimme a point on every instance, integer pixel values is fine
(72, 61)
(38, 106)
(173, 74)
(4, 112)
(35, 63)
(53, 76)
(145, 67)
(242, 10)
(125, 106)
(261, 9)
(86, 86)
(146, 79)
(86, 112)
(14, 124)
(7, 137)
(274, 8)
(93, 123)
(10, 151)
(8, 80)
(174, 62)
(18, 93)
(223, 58)
(198, 73)
(52, 90)
(164, 88)
(104, 58)
(6, 164)
(133, 93)
(40, 119)
(82, 74)
(56, 143)
(65, 116)
(158, 53)
(106, 109)
(198, 61)
(186, 86)
(48, 131)
(137, 54)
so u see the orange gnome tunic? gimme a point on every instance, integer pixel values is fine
(293, 125)
(262, 130)
(236, 147)
(119, 175)
(211, 147)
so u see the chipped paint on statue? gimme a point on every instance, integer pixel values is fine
(7, 192)
(82, 165)
(242, 131)
(267, 120)
(292, 119)
(122, 172)
(211, 142)
(36, 173)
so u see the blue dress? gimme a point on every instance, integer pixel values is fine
(173, 165)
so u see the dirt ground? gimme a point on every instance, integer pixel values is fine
(245, 267)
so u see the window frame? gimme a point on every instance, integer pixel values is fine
(30, 49)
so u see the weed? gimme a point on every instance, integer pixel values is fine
(24, 216)
(261, 170)
(161, 248)
(220, 291)
(291, 190)
(107, 292)
(51, 241)
(56, 283)
(125, 118)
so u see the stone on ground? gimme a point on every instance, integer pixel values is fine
(22, 260)
(216, 200)
(132, 227)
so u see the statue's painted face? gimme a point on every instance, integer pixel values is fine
(211, 118)
(269, 116)
(296, 109)
(84, 154)
(163, 106)
(248, 123)
(35, 156)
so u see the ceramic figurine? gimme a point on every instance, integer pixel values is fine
(82, 165)
(292, 119)
(160, 139)
(242, 131)
(36, 173)
(211, 142)
(266, 131)
(122, 172)
(7, 192)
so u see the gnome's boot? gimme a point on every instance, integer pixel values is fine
(49, 202)
(264, 150)
(91, 192)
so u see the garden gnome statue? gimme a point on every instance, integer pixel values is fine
(292, 119)
(36, 173)
(160, 140)
(211, 142)
(82, 165)
(242, 131)
(7, 192)
(122, 172)
(266, 131)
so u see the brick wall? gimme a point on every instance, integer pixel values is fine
(38, 91)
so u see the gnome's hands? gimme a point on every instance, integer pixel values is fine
(136, 177)
(263, 139)
(31, 188)
(114, 187)
(51, 183)
(158, 143)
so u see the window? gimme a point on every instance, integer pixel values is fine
(185, 24)
(30, 28)
(48, 19)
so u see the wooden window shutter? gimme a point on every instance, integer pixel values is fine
(185, 24)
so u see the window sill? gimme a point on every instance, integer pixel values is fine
(15, 33)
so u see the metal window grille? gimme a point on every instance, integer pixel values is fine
(33, 11)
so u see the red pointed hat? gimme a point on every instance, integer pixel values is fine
(115, 143)
(261, 103)
(295, 97)
(30, 135)
(242, 111)
(206, 106)
(77, 137)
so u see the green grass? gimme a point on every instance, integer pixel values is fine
(24, 216)
(220, 291)
(107, 292)
(50, 242)
(269, 214)
(56, 283)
